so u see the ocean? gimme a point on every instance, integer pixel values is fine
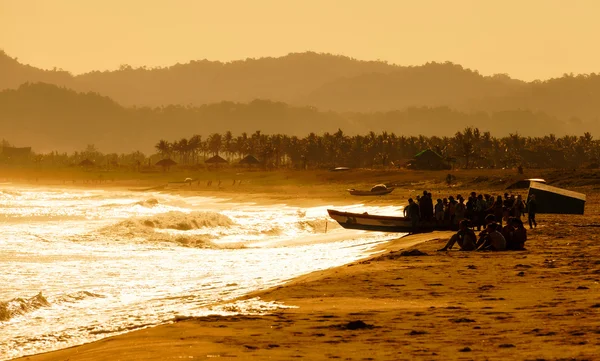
(77, 265)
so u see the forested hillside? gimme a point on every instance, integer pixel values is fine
(48, 117)
(328, 82)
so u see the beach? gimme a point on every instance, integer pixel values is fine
(541, 303)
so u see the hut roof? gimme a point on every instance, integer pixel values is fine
(427, 152)
(249, 159)
(215, 160)
(167, 162)
(85, 163)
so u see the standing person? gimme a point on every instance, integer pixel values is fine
(439, 212)
(531, 211)
(446, 209)
(498, 210)
(413, 213)
(507, 207)
(519, 207)
(459, 210)
(479, 211)
(451, 209)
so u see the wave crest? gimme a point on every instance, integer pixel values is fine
(187, 221)
(155, 228)
(21, 306)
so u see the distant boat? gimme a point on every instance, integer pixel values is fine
(378, 192)
(372, 222)
(157, 188)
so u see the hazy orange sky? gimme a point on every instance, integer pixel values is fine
(527, 39)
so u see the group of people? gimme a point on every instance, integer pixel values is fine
(494, 237)
(478, 211)
(451, 211)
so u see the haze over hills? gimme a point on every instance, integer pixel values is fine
(130, 109)
(329, 82)
(51, 118)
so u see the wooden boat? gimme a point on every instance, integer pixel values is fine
(372, 222)
(157, 188)
(379, 192)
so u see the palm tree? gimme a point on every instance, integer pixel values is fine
(164, 148)
(215, 143)
(194, 145)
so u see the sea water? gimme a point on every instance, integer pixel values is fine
(79, 265)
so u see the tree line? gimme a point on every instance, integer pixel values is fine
(47, 117)
(468, 148)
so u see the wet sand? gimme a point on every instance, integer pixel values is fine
(539, 304)
(542, 303)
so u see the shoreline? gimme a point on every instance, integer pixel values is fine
(394, 245)
(541, 303)
(526, 305)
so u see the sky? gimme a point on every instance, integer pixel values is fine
(526, 39)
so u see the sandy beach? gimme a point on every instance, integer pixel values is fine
(539, 304)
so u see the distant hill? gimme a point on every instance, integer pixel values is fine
(48, 117)
(328, 82)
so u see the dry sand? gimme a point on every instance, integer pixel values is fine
(541, 303)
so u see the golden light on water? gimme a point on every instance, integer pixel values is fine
(81, 265)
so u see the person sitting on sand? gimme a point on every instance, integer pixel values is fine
(519, 236)
(508, 232)
(487, 220)
(465, 237)
(493, 240)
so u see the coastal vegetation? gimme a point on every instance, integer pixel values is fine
(49, 118)
(468, 148)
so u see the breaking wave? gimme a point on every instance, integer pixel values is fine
(150, 202)
(181, 221)
(171, 227)
(21, 306)
(77, 296)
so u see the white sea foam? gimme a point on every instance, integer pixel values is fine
(79, 265)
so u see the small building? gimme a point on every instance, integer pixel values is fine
(16, 153)
(429, 160)
(556, 200)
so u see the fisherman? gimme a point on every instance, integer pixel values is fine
(465, 237)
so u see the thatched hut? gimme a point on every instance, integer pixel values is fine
(430, 160)
(166, 163)
(216, 160)
(249, 160)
